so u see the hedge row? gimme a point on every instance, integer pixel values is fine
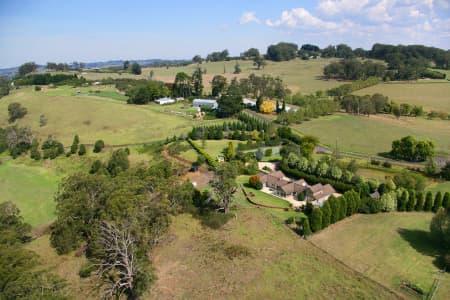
(312, 179)
(211, 161)
(348, 88)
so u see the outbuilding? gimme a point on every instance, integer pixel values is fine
(163, 101)
(205, 102)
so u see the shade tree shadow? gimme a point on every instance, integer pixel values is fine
(423, 242)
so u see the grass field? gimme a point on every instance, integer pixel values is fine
(443, 186)
(94, 91)
(31, 189)
(431, 95)
(299, 75)
(386, 247)
(251, 257)
(94, 118)
(67, 267)
(375, 134)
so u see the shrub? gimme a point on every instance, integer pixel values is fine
(37, 88)
(259, 185)
(254, 180)
(16, 111)
(98, 146)
(387, 165)
(375, 162)
(82, 150)
(268, 152)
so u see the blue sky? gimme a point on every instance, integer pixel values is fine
(65, 31)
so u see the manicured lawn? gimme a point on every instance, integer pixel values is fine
(431, 95)
(387, 247)
(94, 118)
(261, 197)
(31, 189)
(215, 147)
(374, 134)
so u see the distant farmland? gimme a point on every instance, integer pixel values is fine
(431, 95)
(300, 75)
(374, 134)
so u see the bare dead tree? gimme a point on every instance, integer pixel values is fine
(118, 264)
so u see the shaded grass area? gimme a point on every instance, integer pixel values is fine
(431, 95)
(250, 258)
(387, 247)
(67, 267)
(374, 134)
(31, 189)
(261, 197)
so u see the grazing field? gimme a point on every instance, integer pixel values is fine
(67, 267)
(94, 91)
(374, 134)
(387, 247)
(443, 186)
(300, 75)
(31, 189)
(431, 95)
(94, 118)
(251, 257)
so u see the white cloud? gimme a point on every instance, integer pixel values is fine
(415, 13)
(249, 17)
(334, 7)
(379, 12)
(300, 17)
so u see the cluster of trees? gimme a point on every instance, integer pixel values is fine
(47, 78)
(4, 86)
(326, 167)
(348, 88)
(282, 51)
(376, 104)
(134, 67)
(410, 200)
(440, 231)
(22, 275)
(27, 68)
(332, 211)
(218, 56)
(410, 149)
(57, 66)
(120, 215)
(352, 69)
(310, 106)
(16, 139)
(186, 86)
(16, 111)
(412, 55)
(143, 91)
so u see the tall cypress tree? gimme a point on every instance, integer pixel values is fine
(402, 200)
(326, 214)
(306, 227)
(316, 219)
(74, 147)
(446, 201)
(437, 201)
(411, 201)
(419, 203)
(428, 202)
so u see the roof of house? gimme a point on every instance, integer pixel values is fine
(249, 101)
(375, 195)
(277, 174)
(262, 177)
(208, 102)
(164, 100)
(319, 191)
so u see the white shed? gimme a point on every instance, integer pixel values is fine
(162, 101)
(205, 102)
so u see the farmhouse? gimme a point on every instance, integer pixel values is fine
(205, 102)
(283, 186)
(163, 101)
(319, 192)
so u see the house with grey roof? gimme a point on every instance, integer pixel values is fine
(205, 102)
